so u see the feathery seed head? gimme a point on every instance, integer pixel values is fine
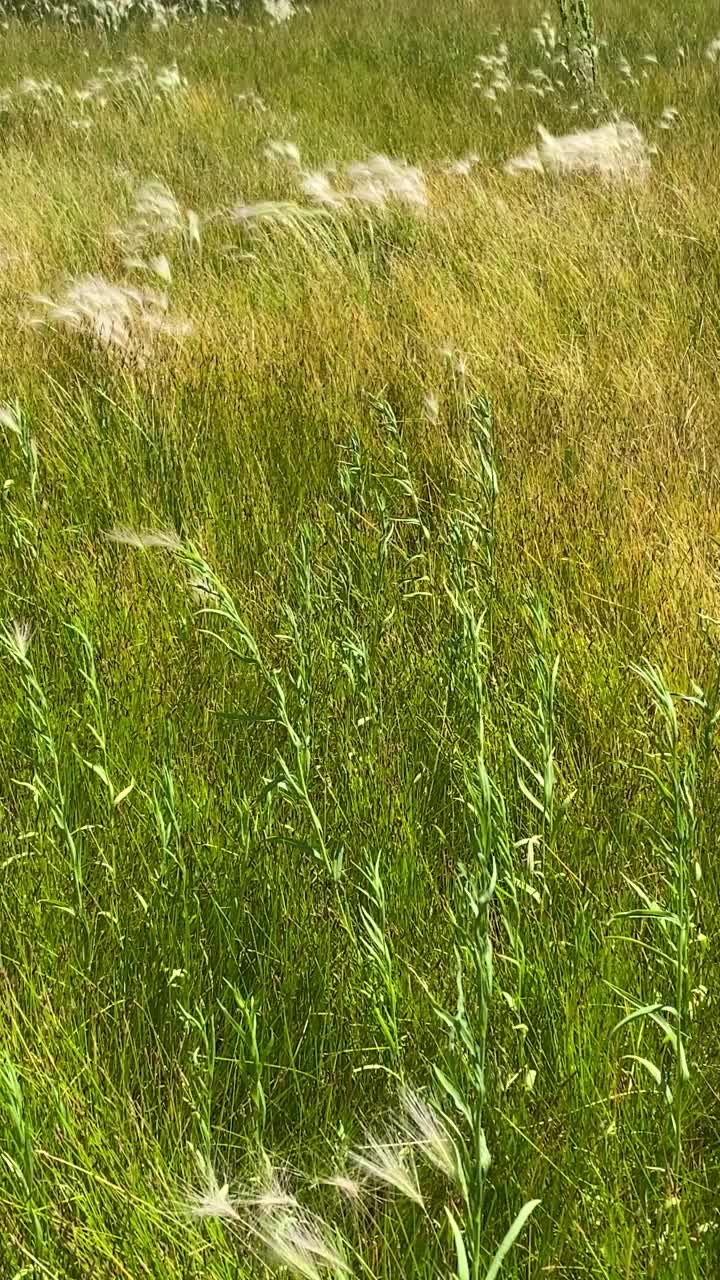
(612, 151)
(349, 1187)
(193, 229)
(300, 1241)
(380, 181)
(279, 10)
(161, 267)
(462, 167)
(212, 1200)
(168, 79)
(9, 418)
(387, 1163)
(424, 1130)
(272, 1196)
(284, 151)
(166, 540)
(282, 212)
(431, 407)
(116, 316)
(252, 101)
(19, 635)
(318, 187)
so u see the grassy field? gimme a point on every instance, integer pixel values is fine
(360, 671)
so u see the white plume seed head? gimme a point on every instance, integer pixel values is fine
(272, 1196)
(317, 186)
(615, 151)
(347, 1186)
(252, 101)
(376, 182)
(279, 211)
(301, 1242)
(431, 407)
(9, 418)
(212, 1200)
(279, 11)
(141, 539)
(462, 167)
(380, 180)
(423, 1129)
(387, 1163)
(169, 80)
(161, 267)
(116, 316)
(193, 229)
(21, 634)
(283, 151)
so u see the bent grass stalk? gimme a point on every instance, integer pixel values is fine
(667, 931)
(46, 784)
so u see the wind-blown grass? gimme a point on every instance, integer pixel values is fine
(359, 654)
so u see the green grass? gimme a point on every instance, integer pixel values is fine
(412, 704)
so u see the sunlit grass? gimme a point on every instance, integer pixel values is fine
(359, 670)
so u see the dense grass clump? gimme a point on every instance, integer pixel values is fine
(360, 665)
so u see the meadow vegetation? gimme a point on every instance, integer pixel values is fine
(360, 669)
